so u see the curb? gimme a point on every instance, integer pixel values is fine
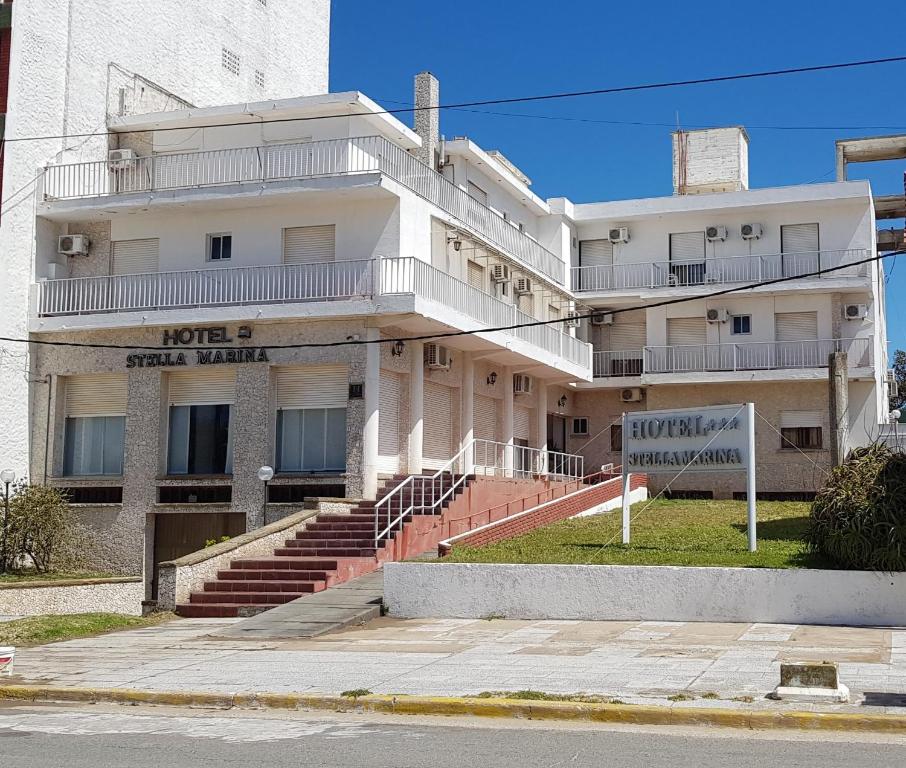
(626, 714)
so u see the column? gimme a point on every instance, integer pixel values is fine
(416, 406)
(372, 414)
(251, 439)
(541, 425)
(467, 412)
(507, 436)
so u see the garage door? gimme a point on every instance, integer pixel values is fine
(438, 439)
(389, 433)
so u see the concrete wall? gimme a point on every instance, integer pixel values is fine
(88, 596)
(644, 593)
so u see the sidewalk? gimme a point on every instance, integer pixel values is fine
(730, 665)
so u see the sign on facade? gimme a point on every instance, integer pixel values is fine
(709, 439)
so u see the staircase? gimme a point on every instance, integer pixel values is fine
(330, 550)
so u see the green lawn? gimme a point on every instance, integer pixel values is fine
(12, 578)
(38, 630)
(667, 533)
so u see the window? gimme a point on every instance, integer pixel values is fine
(808, 438)
(742, 325)
(259, 78)
(616, 438)
(220, 247)
(478, 193)
(476, 275)
(200, 440)
(229, 60)
(311, 440)
(93, 445)
(580, 425)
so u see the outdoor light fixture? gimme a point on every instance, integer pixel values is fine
(562, 401)
(397, 349)
(457, 243)
(492, 378)
(7, 476)
(265, 475)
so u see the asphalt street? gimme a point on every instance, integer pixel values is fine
(104, 737)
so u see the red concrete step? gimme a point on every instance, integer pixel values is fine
(328, 552)
(330, 525)
(310, 535)
(336, 543)
(273, 575)
(350, 518)
(230, 585)
(291, 562)
(244, 598)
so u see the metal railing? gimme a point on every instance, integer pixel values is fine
(736, 269)
(407, 275)
(893, 436)
(617, 363)
(283, 283)
(754, 356)
(335, 157)
(428, 494)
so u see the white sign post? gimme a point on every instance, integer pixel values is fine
(717, 438)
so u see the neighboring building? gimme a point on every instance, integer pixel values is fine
(71, 65)
(769, 345)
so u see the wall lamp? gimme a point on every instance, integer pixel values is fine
(562, 401)
(492, 378)
(397, 348)
(457, 243)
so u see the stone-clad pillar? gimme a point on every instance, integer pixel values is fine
(371, 430)
(251, 432)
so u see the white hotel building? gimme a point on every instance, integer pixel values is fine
(207, 247)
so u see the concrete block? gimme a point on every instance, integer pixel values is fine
(811, 682)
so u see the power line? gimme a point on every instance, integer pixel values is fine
(525, 99)
(452, 334)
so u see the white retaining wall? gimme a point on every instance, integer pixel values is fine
(644, 593)
(123, 595)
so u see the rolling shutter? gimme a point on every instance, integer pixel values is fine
(796, 326)
(687, 246)
(792, 419)
(476, 275)
(389, 432)
(628, 332)
(522, 420)
(438, 425)
(135, 257)
(101, 394)
(309, 245)
(485, 421)
(211, 387)
(312, 386)
(595, 253)
(686, 330)
(478, 193)
(799, 238)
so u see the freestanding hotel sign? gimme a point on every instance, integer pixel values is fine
(709, 439)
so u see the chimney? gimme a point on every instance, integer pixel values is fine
(710, 160)
(427, 116)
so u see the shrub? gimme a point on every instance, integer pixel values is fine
(858, 519)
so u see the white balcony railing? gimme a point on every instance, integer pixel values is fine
(755, 356)
(406, 275)
(738, 269)
(336, 157)
(617, 363)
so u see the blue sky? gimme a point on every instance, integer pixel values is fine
(481, 49)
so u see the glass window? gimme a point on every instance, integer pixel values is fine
(742, 325)
(93, 445)
(580, 425)
(616, 438)
(801, 437)
(200, 440)
(220, 247)
(311, 440)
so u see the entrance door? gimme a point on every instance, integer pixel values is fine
(556, 442)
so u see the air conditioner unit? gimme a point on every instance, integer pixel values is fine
(522, 384)
(438, 357)
(855, 311)
(500, 273)
(118, 159)
(573, 319)
(523, 286)
(73, 245)
(717, 315)
(750, 231)
(602, 318)
(631, 395)
(716, 234)
(619, 235)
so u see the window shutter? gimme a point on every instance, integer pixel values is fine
(485, 421)
(309, 245)
(521, 421)
(595, 253)
(628, 332)
(476, 275)
(792, 419)
(687, 246)
(438, 425)
(135, 257)
(796, 326)
(478, 193)
(312, 386)
(389, 433)
(212, 387)
(686, 330)
(102, 394)
(799, 238)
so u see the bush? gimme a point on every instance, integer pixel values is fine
(858, 519)
(41, 532)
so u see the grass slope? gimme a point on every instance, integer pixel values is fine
(698, 533)
(38, 630)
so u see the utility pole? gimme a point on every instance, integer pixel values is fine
(838, 375)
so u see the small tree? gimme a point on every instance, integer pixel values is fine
(41, 529)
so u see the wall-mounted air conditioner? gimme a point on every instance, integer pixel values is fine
(522, 286)
(522, 384)
(855, 311)
(118, 159)
(717, 315)
(631, 395)
(602, 318)
(437, 357)
(619, 235)
(73, 245)
(750, 231)
(716, 234)
(500, 273)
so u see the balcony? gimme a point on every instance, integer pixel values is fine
(648, 276)
(288, 162)
(357, 281)
(721, 358)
